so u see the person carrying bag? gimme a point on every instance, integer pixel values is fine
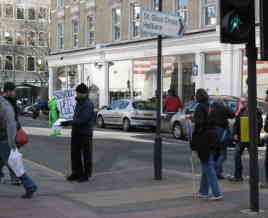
(203, 142)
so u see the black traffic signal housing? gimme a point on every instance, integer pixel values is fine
(234, 21)
(264, 29)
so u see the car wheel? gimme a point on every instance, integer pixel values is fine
(126, 125)
(177, 131)
(100, 122)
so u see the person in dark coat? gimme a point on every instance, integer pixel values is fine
(240, 146)
(10, 95)
(204, 131)
(219, 115)
(81, 137)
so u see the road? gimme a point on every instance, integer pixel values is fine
(115, 150)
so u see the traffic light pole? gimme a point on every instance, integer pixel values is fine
(252, 95)
(158, 138)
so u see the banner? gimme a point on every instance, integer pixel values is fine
(65, 103)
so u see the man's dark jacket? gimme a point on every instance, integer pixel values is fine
(82, 123)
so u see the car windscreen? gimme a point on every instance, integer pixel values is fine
(143, 105)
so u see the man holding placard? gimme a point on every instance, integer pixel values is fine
(82, 132)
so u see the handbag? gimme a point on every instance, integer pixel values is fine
(21, 138)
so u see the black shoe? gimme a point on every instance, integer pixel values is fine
(83, 179)
(220, 177)
(234, 179)
(73, 177)
(28, 194)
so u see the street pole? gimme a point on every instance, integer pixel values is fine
(252, 95)
(158, 139)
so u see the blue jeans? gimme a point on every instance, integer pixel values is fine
(219, 160)
(209, 178)
(28, 183)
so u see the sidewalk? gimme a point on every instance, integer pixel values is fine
(122, 194)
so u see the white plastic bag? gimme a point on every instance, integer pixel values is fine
(15, 162)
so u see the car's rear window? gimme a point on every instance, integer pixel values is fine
(143, 105)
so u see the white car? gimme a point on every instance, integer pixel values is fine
(128, 114)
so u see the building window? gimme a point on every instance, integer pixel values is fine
(40, 66)
(1, 64)
(209, 12)
(20, 63)
(181, 9)
(156, 5)
(116, 23)
(32, 39)
(75, 30)
(20, 38)
(91, 30)
(20, 13)
(42, 13)
(30, 63)
(60, 36)
(42, 39)
(0, 10)
(8, 11)
(135, 20)
(8, 38)
(60, 3)
(9, 62)
(212, 63)
(31, 14)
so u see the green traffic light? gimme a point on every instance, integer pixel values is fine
(235, 23)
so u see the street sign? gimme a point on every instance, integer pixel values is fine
(160, 23)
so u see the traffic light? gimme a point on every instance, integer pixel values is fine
(234, 21)
(264, 29)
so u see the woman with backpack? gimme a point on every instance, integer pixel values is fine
(203, 141)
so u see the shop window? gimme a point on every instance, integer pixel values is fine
(91, 30)
(156, 4)
(9, 63)
(60, 36)
(212, 63)
(20, 38)
(116, 23)
(31, 14)
(19, 65)
(20, 13)
(181, 9)
(8, 37)
(30, 63)
(0, 10)
(42, 39)
(75, 30)
(209, 12)
(135, 20)
(8, 11)
(1, 64)
(32, 39)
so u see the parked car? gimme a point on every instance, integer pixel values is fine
(177, 123)
(128, 114)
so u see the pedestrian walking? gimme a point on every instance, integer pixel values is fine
(8, 127)
(203, 142)
(81, 136)
(219, 115)
(265, 184)
(242, 144)
(10, 95)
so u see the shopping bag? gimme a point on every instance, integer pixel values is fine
(15, 162)
(21, 138)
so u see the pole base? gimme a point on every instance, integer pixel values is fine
(251, 212)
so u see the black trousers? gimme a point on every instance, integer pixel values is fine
(81, 155)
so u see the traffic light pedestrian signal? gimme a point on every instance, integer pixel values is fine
(234, 21)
